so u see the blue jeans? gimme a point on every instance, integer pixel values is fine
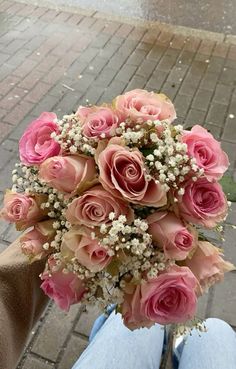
(116, 347)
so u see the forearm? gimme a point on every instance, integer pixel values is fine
(21, 302)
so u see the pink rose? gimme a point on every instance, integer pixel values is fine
(207, 151)
(144, 105)
(32, 242)
(122, 172)
(101, 122)
(64, 288)
(94, 206)
(78, 243)
(207, 264)
(21, 209)
(168, 298)
(203, 203)
(66, 173)
(36, 144)
(83, 112)
(170, 233)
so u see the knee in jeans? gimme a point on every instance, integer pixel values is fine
(217, 324)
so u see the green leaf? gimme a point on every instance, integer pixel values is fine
(147, 151)
(229, 187)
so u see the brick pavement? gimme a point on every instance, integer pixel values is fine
(55, 60)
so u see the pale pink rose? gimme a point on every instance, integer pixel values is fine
(207, 264)
(168, 298)
(21, 209)
(203, 203)
(32, 242)
(64, 288)
(78, 243)
(207, 151)
(66, 173)
(122, 172)
(144, 105)
(170, 233)
(101, 122)
(83, 112)
(36, 144)
(94, 206)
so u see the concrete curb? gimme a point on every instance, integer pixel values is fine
(182, 30)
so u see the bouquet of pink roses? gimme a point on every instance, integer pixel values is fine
(116, 198)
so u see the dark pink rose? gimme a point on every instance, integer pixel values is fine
(36, 144)
(144, 105)
(78, 243)
(101, 122)
(94, 206)
(169, 298)
(207, 151)
(122, 172)
(207, 264)
(170, 233)
(64, 288)
(203, 203)
(66, 173)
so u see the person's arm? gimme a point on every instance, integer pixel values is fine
(21, 302)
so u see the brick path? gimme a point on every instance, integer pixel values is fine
(52, 60)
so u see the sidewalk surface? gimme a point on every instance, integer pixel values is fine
(54, 61)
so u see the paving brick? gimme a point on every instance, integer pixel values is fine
(20, 127)
(156, 52)
(221, 49)
(182, 103)
(230, 149)
(202, 306)
(202, 99)
(170, 89)
(222, 94)
(29, 82)
(177, 74)
(229, 132)
(216, 114)
(124, 30)
(5, 156)
(126, 73)
(228, 76)
(32, 362)
(25, 68)
(11, 234)
(108, 50)
(5, 129)
(6, 174)
(156, 80)
(192, 44)
(194, 117)
(186, 57)
(136, 82)
(86, 320)
(72, 352)
(3, 246)
(105, 77)
(8, 83)
(18, 113)
(166, 63)
(224, 301)
(56, 327)
(215, 130)
(231, 219)
(12, 98)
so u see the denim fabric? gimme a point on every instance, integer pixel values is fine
(113, 346)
